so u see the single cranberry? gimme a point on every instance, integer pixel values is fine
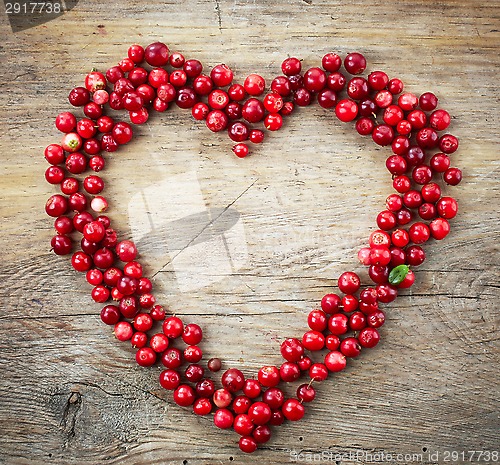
(252, 388)
(110, 314)
(56, 205)
(368, 107)
(357, 88)
(365, 126)
(289, 372)
(123, 331)
(357, 321)
(336, 81)
(193, 354)
(156, 54)
(221, 75)
(62, 245)
(452, 176)
(247, 444)
(448, 144)
(327, 98)
(114, 73)
(216, 121)
(296, 82)
(186, 98)
(393, 114)
(178, 78)
(293, 410)
(440, 162)
(233, 380)
(368, 337)
(439, 228)
(223, 418)
(269, 376)
(346, 110)
(313, 340)
(427, 138)
(277, 418)
(253, 110)
(222, 398)
(259, 413)
(159, 342)
(254, 84)
(355, 63)
(331, 62)
(415, 255)
(54, 154)
(400, 145)
(306, 393)
(440, 120)
(126, 65)
(193, 68)
(194, 373)
(447, 207)
(419, 233)
(314, 79)
(145, 357)
(378, 80)
(400, 238)
(184, 395)
(66, 122)
(262, 433)
(236, 92)
(408, 101)
(383, 134)
(281, 86)
(404, 127)
(291, 66)
(318, 372)
(428, 101)
(317, 320)
(273, 121)
(202, 406)
(330, 303)
(176, 60)
(256, 136)
(173, 327)
(192, 334)
(170, 379)
(214, 364)
(243, 424)
(350, 347)
(302, 97)
(383, 98)
(422, 174)
(79, 96)
(396, 165)
(172, 358)
(349, 282)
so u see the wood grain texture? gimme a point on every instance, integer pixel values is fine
(305, 202)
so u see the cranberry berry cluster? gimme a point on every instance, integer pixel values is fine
(347, 322)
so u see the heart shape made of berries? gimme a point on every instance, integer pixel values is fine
(347, 322)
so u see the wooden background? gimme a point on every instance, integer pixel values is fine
(307, 199)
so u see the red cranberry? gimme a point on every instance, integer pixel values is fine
(355, 63)
(156, 54)
(221, 75)
(170, 379)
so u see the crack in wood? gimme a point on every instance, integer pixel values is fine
(69, 416)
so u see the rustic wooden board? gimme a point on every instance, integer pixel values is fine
(297, 211)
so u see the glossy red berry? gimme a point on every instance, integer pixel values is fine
(355, 63)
